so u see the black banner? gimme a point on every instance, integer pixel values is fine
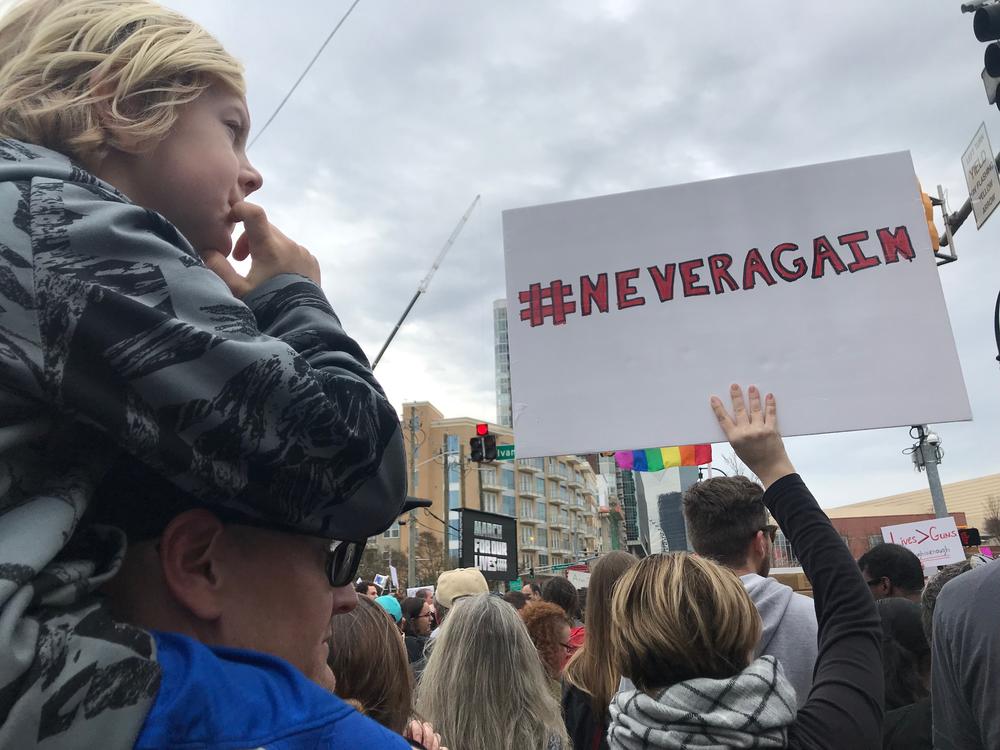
(489, 542)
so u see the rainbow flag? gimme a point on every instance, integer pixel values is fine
(655, 459)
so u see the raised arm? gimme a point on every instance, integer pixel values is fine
(845, 705)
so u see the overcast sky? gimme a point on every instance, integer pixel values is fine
(415, 107)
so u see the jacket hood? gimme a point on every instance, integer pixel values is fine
(772, 599)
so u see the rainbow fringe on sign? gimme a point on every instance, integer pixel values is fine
(655, 459)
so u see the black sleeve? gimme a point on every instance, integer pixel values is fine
(845, 705)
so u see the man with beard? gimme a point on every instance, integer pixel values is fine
(727, 521)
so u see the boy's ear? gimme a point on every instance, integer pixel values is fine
(117, 137)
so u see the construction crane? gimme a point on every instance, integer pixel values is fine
(427, 279)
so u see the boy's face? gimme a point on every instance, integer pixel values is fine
(197, 173)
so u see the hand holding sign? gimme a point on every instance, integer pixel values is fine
(754, 434)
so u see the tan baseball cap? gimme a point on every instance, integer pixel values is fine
(454, 584)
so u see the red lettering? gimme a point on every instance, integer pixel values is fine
(690, 279)
(861, 261)
(719, 266)
(663, 280)
(755, 265)
(823, 252)
(625, 289)
(894, 244)
(596, 294)
(799, 264)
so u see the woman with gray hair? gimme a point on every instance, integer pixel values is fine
(484, 686)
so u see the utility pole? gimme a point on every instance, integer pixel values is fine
(927, 455)
(446, 516)
(411, 524)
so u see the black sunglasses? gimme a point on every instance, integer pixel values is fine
(770, 529)
(342, 561)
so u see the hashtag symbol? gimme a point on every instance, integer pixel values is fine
(547, 302)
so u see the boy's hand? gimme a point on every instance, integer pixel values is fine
(754, 434)
(271, 253)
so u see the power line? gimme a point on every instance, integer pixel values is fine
(428, 510)
(304, 72)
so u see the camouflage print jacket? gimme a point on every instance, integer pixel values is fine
(116, 340)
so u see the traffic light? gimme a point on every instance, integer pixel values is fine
(489, 447)
(476, 449)
(986, 26)
(970, 537)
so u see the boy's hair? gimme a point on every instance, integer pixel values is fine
(896, 563)
(80, 76)
(723, 514)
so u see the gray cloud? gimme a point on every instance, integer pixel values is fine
(416, 107)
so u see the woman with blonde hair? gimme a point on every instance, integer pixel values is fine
(684, 630)
(591, 677)
(484, 687)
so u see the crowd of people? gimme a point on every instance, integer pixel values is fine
(193, 459)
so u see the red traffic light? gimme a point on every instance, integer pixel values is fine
(482, 429)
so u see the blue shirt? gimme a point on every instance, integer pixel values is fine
(214, 697)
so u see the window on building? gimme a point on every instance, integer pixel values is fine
(539, 486)
(543, 561)
(507, 478)
(540, 508)
(489, 501)
(488, 477)
(527, 509)
(527, 483)
(526, 536)
(542, 537)
(508, 505)
(392, 532)
(874, 540)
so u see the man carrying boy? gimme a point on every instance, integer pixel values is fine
(243, 429)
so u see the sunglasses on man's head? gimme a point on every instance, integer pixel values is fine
(342, 561)
(770, 529)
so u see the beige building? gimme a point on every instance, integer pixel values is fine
(972, 497)
(553, 499)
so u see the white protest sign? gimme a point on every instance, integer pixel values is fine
(816, 283)
(413, 590)
(394, 575)
(981, 176)
(579, 578)
(936, 542)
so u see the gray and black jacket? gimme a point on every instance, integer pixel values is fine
(118, 344)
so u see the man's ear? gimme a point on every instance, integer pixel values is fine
(191, 551)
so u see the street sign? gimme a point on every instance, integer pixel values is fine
(505, 453)
(981, 176)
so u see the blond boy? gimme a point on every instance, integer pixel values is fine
(232, 425)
